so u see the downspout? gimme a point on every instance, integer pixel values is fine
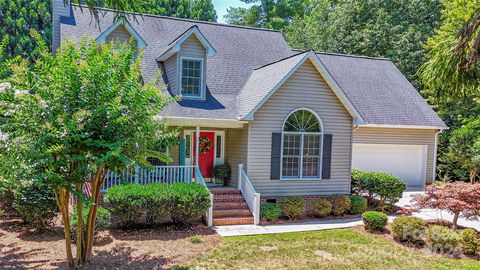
(435, 155)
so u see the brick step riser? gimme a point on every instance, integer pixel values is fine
(236, 207)
(232, 221)
(226, 192)
(232, 213)
(229, 197)
(218, 200)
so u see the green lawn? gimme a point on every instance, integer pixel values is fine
(351, 249)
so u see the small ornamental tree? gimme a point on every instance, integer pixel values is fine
(458, 198)
(76, 116)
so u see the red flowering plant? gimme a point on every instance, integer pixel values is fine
(458, 198)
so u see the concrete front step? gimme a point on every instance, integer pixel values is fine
(230, 205)
(217, 213)
(232, 221)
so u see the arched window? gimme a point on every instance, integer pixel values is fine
(302, 145)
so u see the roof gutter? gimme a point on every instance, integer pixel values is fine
(403, 126)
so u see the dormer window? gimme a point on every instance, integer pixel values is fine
(192, 77)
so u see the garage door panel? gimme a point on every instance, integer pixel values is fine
(407, 162)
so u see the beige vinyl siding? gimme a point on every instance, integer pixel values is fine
(304, 89)
(236, 150)
(171, 69)
(193, 48)
(119, 34)
(401, 136)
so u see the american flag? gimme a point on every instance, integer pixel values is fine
(87, 190)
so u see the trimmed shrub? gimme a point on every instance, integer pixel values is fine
(409, 229)
(156, 202)
(125, 202)
(321, 208)
(188, 203)
(442, 239)
(102, 222)
(36, 205)
(374, 221)
(358, 205)
(222, 172)
(292, 207)
(340, 204)
(469, 241)
(388, 188)
(270, 211)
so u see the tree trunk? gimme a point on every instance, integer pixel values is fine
(62, 195)
(455, 220)
(473, 174)
(97, 183)
(80, 240)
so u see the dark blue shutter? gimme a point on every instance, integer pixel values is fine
(327, 156)
(276, 151)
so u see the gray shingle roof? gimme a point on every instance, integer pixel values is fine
(375, 87)
(262, 81)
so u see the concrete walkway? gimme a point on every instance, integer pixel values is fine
(314, 225)
(435, 214)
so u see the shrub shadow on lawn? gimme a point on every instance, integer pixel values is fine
(12, 258)
(163, 233)
(121, 258)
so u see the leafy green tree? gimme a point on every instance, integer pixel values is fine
(443, 73)
(76, 116)
(17, 19)
(464, 148)
(451, 85)
(394, 29)
(189, 9)
(273, 14)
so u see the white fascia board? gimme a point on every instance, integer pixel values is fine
(178, 43)
(202, 122)
(402, 126)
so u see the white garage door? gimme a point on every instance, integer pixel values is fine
(407, 162)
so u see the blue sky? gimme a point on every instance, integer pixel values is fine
(222, 5)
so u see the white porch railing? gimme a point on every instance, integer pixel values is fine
(248, 191)
(159, 174)
(200, 180)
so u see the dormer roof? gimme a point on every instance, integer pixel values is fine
(175, 45)
(103, 36)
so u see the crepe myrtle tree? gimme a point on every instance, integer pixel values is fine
(458, 198)
(75, 116)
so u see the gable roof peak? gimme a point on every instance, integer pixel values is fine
(175, 45)
(103, 36)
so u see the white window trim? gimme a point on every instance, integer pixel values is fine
(320, 162)
(202, 90)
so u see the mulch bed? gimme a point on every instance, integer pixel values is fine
(155, 248)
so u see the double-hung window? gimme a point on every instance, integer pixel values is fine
(191, 77)
(302, 146)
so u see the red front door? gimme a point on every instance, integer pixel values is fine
(206, 153)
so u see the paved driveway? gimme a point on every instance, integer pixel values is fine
(435, 214)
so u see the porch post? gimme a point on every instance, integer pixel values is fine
(239, 180)
(197, 139)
